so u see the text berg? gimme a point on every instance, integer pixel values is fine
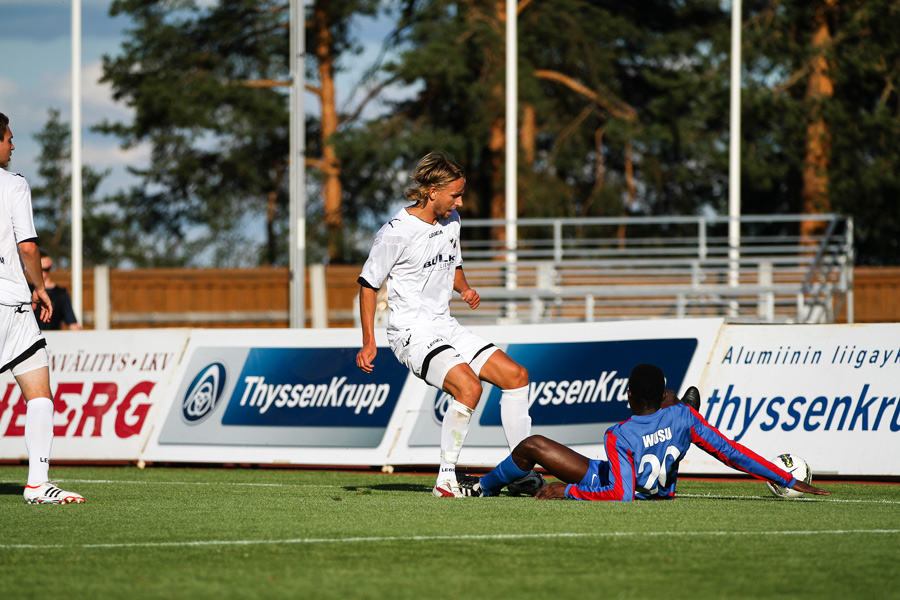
(262, 395)
(91, 414)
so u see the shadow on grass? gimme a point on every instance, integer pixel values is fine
(390, 487)
(11, 489)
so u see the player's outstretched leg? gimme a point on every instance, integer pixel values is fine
(501, 475)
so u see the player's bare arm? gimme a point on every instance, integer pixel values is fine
(468, 294)
(367, 300)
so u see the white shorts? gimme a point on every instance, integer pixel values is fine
(431, 350)
(20, 339)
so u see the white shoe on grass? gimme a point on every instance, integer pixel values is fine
(447, 489)
(48, 493)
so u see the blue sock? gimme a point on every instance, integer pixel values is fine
(503, 474)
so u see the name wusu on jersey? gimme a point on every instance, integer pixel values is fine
(319, 387)
(587, 382)
(661, 435)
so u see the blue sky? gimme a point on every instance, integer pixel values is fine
(35, 46)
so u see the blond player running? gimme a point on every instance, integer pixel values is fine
(417, 253)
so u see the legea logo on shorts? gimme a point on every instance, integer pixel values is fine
(441, 404)
(203, 394)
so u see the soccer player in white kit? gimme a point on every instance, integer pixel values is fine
(22, 345)
(417, 253)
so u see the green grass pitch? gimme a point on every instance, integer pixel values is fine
(269, 533)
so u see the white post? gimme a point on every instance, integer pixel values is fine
(297, 235)
(101, 298)
(77, 244)
(512, 92)
(318, 297)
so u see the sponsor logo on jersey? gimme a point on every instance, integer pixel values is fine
(314, 387)
(443, 260)
(434, 233)
(574, 383)
(204, 393)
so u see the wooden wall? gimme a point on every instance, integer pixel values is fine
(249, 298)
(876, 294)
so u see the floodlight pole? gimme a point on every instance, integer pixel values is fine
(77, 248)
(512, 92)
(297, 242)
(734, 150)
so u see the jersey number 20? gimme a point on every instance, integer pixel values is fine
(656, 472)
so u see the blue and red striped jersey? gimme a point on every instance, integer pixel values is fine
(643, 454)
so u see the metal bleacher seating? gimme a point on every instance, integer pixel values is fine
(785, 269)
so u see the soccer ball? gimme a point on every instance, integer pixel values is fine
(797, 467)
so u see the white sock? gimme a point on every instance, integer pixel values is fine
(514, 415)
(454, 428)
(38, 438)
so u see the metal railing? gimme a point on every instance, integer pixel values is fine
(787, 269)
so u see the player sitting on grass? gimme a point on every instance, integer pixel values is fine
(643, 452)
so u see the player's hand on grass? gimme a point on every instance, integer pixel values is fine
(802, 486)
(365, 357)
(557, 489)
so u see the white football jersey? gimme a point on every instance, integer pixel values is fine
(16, 225)
(418, 260)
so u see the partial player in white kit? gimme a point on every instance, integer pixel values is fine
(417, 253)
(22, 345)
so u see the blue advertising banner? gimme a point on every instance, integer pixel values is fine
(579, 383)
(314, 387)
(283, 396)
(297, 396)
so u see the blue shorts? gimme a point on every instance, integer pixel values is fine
(597, 474)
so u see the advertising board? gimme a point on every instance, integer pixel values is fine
(287, 396)
(828, 393)
(106, 388)
(578, 377)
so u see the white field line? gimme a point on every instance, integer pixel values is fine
(804, 499)
(116, 481)
(445, 538)
(306, 485)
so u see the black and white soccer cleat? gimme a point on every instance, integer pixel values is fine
(469, 486)
(692, 398)
(526, 486)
